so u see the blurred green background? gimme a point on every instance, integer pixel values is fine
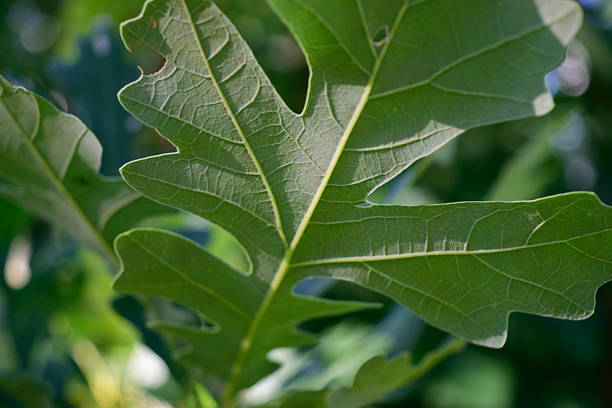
(67, 341)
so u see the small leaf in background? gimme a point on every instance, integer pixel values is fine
(49, 164)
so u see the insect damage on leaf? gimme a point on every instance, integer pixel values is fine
(381, 36)
(291, 187)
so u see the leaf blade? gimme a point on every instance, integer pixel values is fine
(472, 261)
(351, 137)
(51, 160)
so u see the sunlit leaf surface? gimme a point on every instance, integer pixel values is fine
(390, 82)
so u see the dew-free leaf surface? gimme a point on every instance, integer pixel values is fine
(49, 164)
(390, 82)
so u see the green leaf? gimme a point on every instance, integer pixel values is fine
(159, 263)
(292, 188)
(380, 376)
(49, 164)
(528, 173)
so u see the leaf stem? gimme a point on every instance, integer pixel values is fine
(227, 398)
(433, 358)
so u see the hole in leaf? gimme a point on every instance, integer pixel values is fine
(381, 36)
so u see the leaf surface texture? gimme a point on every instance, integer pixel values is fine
(49, 163)
(292, 188)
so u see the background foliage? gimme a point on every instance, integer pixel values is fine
(67, 341)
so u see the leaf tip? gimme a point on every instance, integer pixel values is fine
(123, 172)
(543, 104)
(123, 27)
(495, 341)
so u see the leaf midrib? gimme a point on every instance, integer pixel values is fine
(381, 258)
(237, 126)
(285, 264)
(46, 167)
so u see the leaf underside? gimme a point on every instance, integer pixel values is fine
(292, 188)
(49, 164)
